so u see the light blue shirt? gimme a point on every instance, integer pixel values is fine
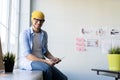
(26, 44)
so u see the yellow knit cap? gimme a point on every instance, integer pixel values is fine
(37, 14)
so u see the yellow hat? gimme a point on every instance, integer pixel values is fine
(37, 14)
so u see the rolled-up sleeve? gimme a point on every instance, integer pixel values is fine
(44, 43)
(25, 48)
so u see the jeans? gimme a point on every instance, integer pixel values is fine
(49, 72)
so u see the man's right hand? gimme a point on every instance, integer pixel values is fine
(50, 62)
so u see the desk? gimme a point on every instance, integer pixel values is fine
(21, 75)
(107, 73)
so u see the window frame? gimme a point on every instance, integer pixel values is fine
(12, 28)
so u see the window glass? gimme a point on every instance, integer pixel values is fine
(14, 26)
(9, 19)
(4, 23)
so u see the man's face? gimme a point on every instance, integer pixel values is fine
(37, 23)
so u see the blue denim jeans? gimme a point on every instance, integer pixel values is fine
(49, 72)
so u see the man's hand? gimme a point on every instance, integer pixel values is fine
(50, 62)
(56, 60)
(53, 61)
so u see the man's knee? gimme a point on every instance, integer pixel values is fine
(47, 68)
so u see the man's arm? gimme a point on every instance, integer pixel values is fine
(55, 60)
(34, 58)
(49, 55)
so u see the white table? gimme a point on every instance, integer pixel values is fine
(22, 75)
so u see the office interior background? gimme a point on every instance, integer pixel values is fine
(63, 22)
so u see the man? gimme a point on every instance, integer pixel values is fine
(34, 50)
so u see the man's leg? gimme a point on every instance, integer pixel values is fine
(57, 74)
(47, 73)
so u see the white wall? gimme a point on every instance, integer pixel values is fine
(63, 21)
(24, 14)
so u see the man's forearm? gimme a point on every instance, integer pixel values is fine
(49, 55)
(34, 58)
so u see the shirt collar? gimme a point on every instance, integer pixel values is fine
(31, 30)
